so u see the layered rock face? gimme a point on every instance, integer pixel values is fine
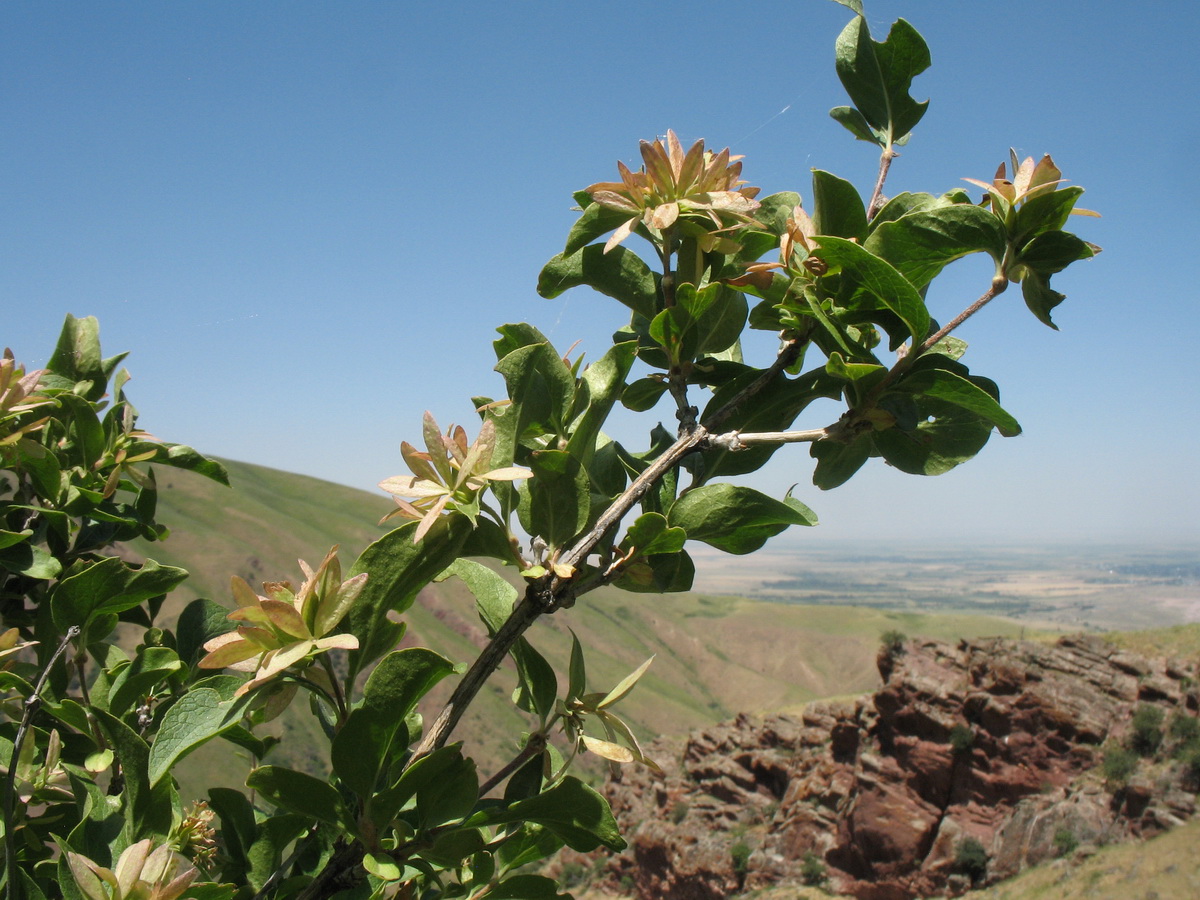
(989, 741)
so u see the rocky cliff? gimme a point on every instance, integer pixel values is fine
(970, 763)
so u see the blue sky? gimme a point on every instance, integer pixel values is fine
(305, 220)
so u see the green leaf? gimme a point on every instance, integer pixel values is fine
(946, 436)
(594, 221)
(560, 497)
(1040, 297)
(1053, 251)
(527, 887)
(837, 462)
(775, 407)
(397, 570)
(542, 390)
(650, 534)
(201, 621)
(933, 380)
(149, 667)
(275, 835)
(774, 210)
(452, 795)
(179, 456)
(77, 357)
(619, 274)
(299, 793)
(659, 573)
(577, 685)
(735, 519)
(198, 716)
(30, 561)
(880, 280)
(920, 244)
(150, 808)
(1047, 211)
(604, 383)
(878, 76)
(109, 586)
(450, 848)
(837, 207)
(367, 742)
(854, 122)
(537, 689)
(530, 844)
(575, 812)
(643, 394)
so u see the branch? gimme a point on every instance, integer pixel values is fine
(734, 440)
(877, 198)
(551, 593)
(32, 702)
(999, 286)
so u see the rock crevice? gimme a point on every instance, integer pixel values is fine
(992, 740)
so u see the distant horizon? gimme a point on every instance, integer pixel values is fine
(305, 221)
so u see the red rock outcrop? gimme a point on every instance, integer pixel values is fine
(991, 740)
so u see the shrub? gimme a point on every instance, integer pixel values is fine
(1118, 765)
(962, 739)
(1191, 767)
(892, 642)
(1184, 728)
(1147, 734)
(741, 857)
(679, 812)
(971, 859)
(95, 738)
(1065, 841)
(812, 870)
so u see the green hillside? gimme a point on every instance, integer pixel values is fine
(715, 655)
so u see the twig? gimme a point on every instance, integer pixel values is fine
(734, 440)
(533, 747)
(32, 702)
(551, 593)
(877, 199)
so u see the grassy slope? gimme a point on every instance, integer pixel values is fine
(1165, 868)
(715, 656)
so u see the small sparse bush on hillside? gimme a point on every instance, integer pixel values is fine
(962, 739)
(892, 642)
(971, 858)
(741, 857)
(1118, 766)
(1184, 728)
(1065, 841)
(812, 870)
(1147, 734)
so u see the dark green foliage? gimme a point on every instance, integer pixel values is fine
(387, 792)
(1118, 766)
(892, 642)
(1184, 728)
(971, 858)
(962, 738)
(741, 857)
(1065, 841)
(1146, 733)
(812, 870)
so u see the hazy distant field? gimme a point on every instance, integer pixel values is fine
(1099, 587)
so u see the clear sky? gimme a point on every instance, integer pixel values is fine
(305, 220)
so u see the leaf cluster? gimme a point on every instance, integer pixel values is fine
(93, 729)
